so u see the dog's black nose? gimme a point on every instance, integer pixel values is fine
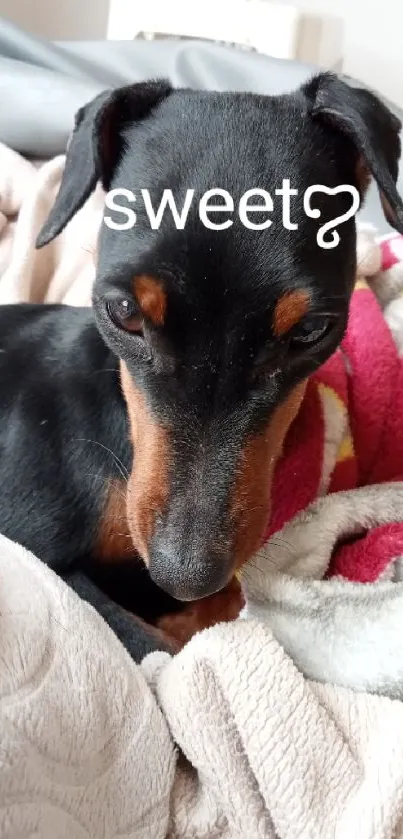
(185, 579)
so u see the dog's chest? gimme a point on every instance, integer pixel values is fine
(113, 541)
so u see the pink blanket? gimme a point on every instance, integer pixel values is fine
(349, 430)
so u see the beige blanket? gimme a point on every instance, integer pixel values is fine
(88, 745)
(63, 272)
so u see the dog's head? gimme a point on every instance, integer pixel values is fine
(218, 330)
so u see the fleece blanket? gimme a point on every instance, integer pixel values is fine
(286, 723)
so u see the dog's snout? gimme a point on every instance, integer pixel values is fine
(187, 577)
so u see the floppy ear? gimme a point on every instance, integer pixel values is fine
(371, 126)
(95, 147)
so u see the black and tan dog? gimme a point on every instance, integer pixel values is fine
(150, 426)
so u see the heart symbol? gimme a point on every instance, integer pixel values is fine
(330, 225)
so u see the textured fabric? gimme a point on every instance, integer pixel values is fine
(334, 630)
(62, 272)
(84, 751)
(89, 740)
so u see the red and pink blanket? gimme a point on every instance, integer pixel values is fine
(349, 430)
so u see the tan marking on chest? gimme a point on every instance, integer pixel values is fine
(225, 605)
(149, 482)
(114, 541)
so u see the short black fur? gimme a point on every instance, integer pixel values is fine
(214, 373)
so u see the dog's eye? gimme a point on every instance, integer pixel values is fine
(125, 315)
(310, 331)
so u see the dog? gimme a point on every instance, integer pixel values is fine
(139, 438)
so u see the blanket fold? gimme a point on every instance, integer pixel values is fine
(89, 740)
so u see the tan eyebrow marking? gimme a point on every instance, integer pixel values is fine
(289, 310)
(151, 298)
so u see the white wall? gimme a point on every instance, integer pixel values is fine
(59, 19)
(373, 48)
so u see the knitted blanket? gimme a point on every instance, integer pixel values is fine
(242, 734)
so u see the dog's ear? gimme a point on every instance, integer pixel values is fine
(95, 147)
(373, 129)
